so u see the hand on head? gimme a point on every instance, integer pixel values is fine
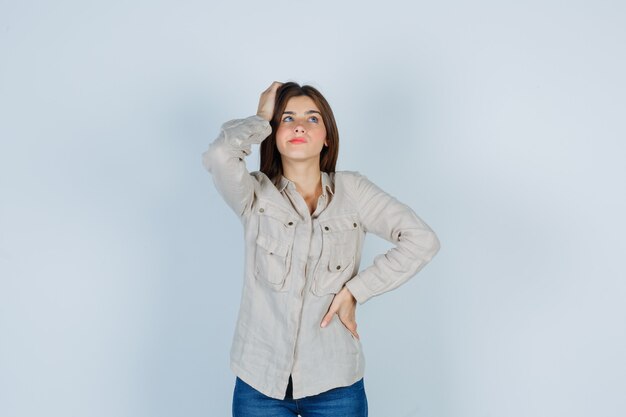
(267, 101)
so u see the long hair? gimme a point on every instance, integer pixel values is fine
(271, 164)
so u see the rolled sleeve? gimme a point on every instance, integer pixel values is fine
(225, 160)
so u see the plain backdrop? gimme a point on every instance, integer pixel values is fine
(501, 123)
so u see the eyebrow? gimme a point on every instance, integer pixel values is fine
(306, 112)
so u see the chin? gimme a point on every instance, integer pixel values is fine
(298, 157)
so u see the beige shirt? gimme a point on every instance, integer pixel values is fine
(295, 262)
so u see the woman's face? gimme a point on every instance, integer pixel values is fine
(301, 134)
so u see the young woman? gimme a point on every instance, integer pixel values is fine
(304, 226)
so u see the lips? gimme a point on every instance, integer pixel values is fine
(297, 140)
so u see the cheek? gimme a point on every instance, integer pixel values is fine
(320, 135)
(281, 129)
(281, 134)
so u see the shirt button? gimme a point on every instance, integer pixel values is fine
(354, 224)
(261, 210)
(338, 266)
(326, 228)
(290, 223)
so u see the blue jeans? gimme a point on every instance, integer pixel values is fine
(349, 401)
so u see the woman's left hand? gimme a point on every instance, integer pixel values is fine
(344, 304)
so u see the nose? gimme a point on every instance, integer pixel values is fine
(299, 129)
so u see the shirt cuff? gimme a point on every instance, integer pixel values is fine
(358, 289)
(241, 133)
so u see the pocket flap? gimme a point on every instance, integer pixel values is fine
(339, 261)
(340, 224)
(269, 209)
(272, 246)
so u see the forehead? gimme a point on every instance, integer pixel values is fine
(300, 104)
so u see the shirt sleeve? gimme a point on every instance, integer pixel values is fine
(225, 160)
(415, 243)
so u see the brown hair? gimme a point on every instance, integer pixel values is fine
(271, 164)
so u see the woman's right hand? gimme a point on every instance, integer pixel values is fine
(267, 101)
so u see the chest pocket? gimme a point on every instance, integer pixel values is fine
(273, 245)
(340, 237)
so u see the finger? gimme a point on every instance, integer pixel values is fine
(355, 333)
(329, 316)
(273, 87)
(351, 326)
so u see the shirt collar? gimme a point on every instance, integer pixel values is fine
(326, 185)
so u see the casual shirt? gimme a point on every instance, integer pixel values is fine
(295, 263)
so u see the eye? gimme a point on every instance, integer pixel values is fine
(287, 119)
(314, 119)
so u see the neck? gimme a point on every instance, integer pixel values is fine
(306, 176)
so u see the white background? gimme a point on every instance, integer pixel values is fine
(501, 123)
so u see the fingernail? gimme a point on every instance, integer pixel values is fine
(323, 324)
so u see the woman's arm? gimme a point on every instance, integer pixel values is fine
(415, 243)
(225, 160)
(225, 157)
